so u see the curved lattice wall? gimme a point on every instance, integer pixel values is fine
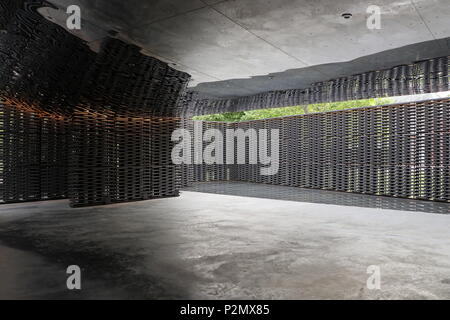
(92, 127)
(33, 156)
(417, 78)
(398, 150)
(97, 127)
(42, 67)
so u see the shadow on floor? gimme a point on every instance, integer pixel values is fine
(257, 190)
(38, 241)
(210, 246)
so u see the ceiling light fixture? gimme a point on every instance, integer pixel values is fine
(347, 15)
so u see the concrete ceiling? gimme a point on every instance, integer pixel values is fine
(242, 47)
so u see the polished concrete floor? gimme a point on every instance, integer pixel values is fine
(215, 246)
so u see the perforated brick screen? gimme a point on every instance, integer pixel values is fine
(397, 150)
(33, 156)
(416, 78)
(96, 127)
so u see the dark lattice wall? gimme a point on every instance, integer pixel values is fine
(120, 108)
(42, 67)
(105, 121)
(32, 156)
(209, 172)
(117, 159)
(121, 129)
(398, 150)
(126, 82)
(8, 9)
(421, 77)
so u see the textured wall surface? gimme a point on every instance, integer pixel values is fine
(126, 82)
(397, 150)
(117, 159)
(116, 110)
(42, 67)
(105, 121)
(121, 129)
(33, 157)
(421, 77)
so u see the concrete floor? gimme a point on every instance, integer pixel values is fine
(222, 247)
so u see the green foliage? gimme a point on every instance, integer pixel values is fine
(289, 111)
(227, 117)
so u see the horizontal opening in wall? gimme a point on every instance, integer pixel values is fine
(316, 108)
